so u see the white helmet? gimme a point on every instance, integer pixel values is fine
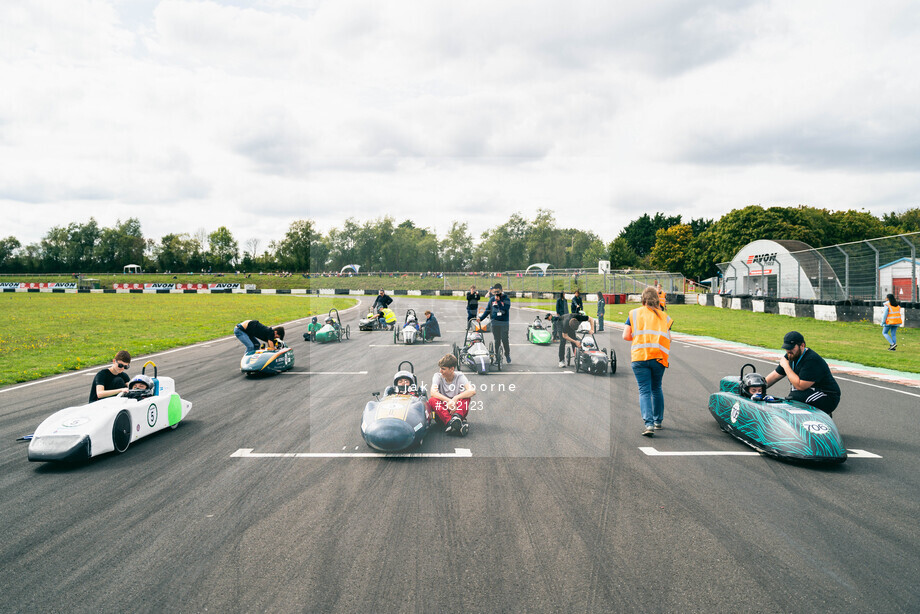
(405, 375)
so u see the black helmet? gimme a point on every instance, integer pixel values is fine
(405, 375)
(751, 380)
(313, 320)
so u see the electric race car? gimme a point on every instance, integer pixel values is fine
(371, 322)
(267, 362)
(410, 332)
(474, 355)
(110, 424)
(332, 329)
(780, 428)
(401, 418)
(588, 357)
(539, 334)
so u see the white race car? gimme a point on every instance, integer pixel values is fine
(79, 433)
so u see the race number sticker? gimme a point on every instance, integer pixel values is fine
(75, 422)
(736, 409)
(152, 415)
(818, 428)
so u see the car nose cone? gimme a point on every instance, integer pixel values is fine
(389, 435)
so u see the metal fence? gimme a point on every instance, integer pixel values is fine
(862, 270)
(568, 280)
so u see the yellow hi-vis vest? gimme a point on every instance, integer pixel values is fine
(388, 316)
(894, 315)
(651, 332)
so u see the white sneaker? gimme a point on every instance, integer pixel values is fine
(561, 364)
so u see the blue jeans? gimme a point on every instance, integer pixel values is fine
(890, 332)
(651, 400)
(244, 338)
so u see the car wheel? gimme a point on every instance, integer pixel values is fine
(348, 331)
(613, 362)
(568, 355)
(121, 431)
(577, 361)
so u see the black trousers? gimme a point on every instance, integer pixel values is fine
(500, 332)
(816, 398)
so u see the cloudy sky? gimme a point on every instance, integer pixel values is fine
(196, 114)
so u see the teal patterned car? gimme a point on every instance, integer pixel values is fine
(781, 428)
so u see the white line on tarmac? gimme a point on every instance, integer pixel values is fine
(396, 345)
(531, 373)
(248, 453)
(653, 452)
(324, 373)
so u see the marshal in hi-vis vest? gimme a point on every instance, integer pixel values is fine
(651, 333)
(894, 316)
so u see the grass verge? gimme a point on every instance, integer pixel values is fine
(45, 334)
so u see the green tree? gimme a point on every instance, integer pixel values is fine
(224, 249)
(8, 247)
(669, 253)
(621, 255)
(293, 252)
(121, 245)
(596, 252)
(640, 233)
(457, 248)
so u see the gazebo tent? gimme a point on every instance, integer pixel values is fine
(132, 268)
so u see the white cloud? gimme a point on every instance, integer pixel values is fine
(190, 114)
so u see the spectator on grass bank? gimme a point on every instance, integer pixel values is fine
(891, 320)
(113, 379)
(649, 329)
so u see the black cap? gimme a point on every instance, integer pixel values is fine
(792, 339)
(497, 287)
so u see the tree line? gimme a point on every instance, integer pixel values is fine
(659, 242)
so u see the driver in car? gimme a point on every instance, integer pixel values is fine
(140, 386)
(753, 385)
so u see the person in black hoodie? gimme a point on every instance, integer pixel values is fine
(383, 300)
(430, 326)
(562, 308)
(577, 303)
(472, 303)
(497, 309)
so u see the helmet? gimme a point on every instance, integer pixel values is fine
(588, 343)
(140, 393)
(410, 317)
(405, 375)
(142, 379)
(475, 337)
(328, 320)
(313, 320)
(751, 380)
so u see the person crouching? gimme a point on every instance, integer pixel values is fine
(450, 396)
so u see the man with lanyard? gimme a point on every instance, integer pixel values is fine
(497, 309)
(808, 373)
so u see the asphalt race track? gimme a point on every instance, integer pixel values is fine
(266, 498)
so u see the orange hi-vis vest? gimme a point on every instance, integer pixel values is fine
(651, 332)
(894, 316)
(661, 299)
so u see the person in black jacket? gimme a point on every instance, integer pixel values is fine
(253, 333)
(562, 308)
(497, 309)
(810, 378)
(472, 303)
(577, 303)
(430, 326)
(382, 300)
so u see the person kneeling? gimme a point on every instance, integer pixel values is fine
(450, 396)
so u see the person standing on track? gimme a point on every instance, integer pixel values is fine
(113, 379)
(472, 303)
(577, 304)
(891, 320)
(810, 377)
(498, 310)
(649, 329)
(562, 308)
(382, 301)
(600, 312)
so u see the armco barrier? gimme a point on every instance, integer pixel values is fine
(830, 311)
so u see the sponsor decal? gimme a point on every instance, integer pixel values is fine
(191, 286)
(152, 415)
(761, 272)
(138, 428)
(818, 428)
(160, 286)
(736, 409)
(10, 284)
(224, 286)
(128, 286)
(73, 422)
(762, 258)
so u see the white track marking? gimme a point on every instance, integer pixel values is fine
(396, 345)
(248, 453)
(649, 451)
(323, 373)
(530, 373)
